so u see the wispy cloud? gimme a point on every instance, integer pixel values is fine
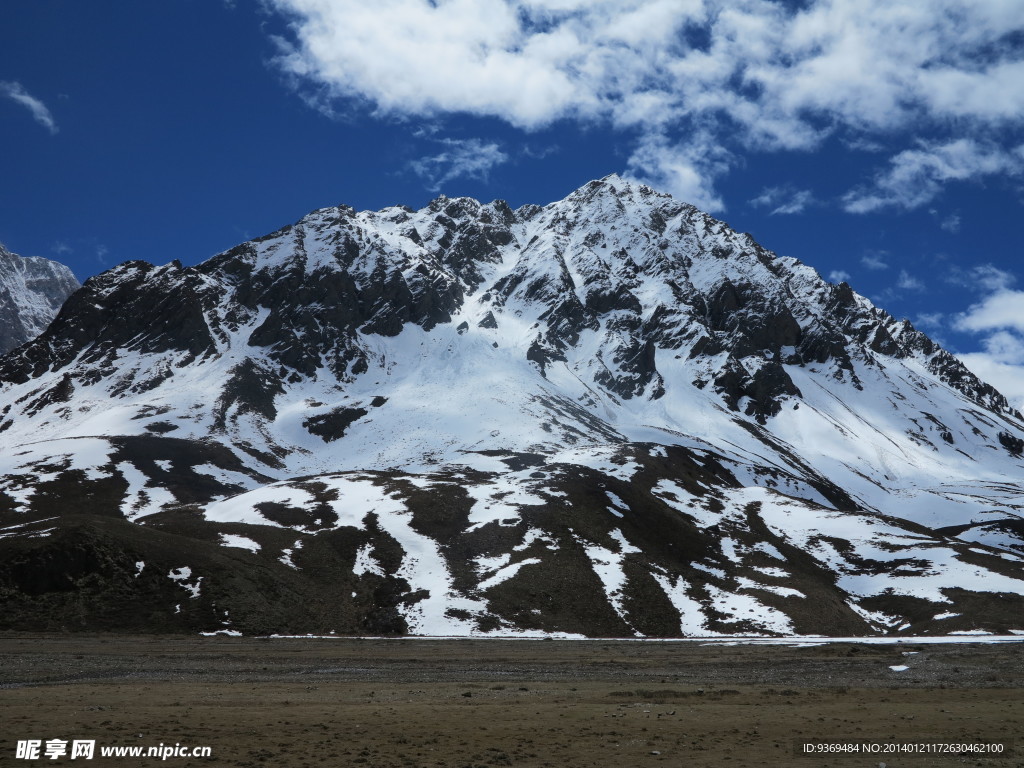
(860, 144)
(539, 153)
(16, 92)
(874, 260)
(983, 278)
(676, 75)
(839, 276)
(461, 158)
(908, 282)
(915, 177)
(784, 200)
(950, 223)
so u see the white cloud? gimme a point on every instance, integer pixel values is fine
(1006, 377)
(685, 171)
(1003, 309)
(461, 158)
(993, 93)
(416, 57)
(1000, 315)
(16, 92)
(750, 74)
(916, 176)
(839, 276)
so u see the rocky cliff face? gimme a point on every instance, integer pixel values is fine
(31, 291)
(611, 415)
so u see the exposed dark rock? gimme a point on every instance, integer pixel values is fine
(331, 426)
(251, 389)
(1014, 445)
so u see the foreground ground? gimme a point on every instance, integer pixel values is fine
(468, 703)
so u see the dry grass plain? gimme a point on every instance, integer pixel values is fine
(474, 703)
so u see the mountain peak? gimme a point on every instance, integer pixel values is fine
(619, 185)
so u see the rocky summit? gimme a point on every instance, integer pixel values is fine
(31, 291)
(608, 416)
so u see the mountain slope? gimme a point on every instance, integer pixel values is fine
(31, 291)
(611, 415)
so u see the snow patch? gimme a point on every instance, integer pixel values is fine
(504, 573)
(243, 542)
(183, 575)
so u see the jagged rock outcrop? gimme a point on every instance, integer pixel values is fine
(32, 289)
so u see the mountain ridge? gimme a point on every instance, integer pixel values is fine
(477, 405)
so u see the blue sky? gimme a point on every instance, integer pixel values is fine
(880, 141)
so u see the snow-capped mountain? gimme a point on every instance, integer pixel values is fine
(610, 415)
(31, 291)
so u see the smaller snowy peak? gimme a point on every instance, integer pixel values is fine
(32, 291)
